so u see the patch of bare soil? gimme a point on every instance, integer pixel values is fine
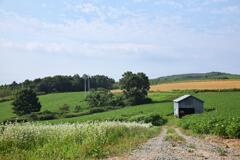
(228, 142)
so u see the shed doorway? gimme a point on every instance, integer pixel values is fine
(185, 111)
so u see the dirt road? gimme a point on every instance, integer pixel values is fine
(183, 147)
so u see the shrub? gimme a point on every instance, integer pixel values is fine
(118, 100)
(155, 119)
(70, 115)
(46, 115)
(99, 98)
(77, 108)
(233, 128)
(222, 126)
(64, 108)
(26, 102)
(97, 110)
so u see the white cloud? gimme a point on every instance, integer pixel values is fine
(86, 49)
(173, 3)
(138, 41)
(86, 8)
(166, 36)
(103, 12)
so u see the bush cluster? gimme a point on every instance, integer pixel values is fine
(104, 100)
(154, 119)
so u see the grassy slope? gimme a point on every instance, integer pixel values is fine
(226, 103)
(50, 102)
(160, 106)
(53, 101)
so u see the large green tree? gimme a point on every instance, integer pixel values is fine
(135, 87)
(25, 102)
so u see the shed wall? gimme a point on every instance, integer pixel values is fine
(176, 109)
(190, 102)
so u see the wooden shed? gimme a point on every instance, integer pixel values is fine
(187, 104)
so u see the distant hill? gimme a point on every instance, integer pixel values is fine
(195, 76)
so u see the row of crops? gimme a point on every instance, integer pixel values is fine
(227, 127)
(221, 117)
(70, 141)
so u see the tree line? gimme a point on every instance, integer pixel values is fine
(135, 88)
(59, 83)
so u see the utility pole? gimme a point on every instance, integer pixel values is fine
(86, 84)
(89, 83)
(85, 87)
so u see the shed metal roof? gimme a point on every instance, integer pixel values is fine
(181, 98)
(185, 97)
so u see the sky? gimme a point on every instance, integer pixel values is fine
(41, 38)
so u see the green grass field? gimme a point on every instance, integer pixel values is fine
(225, 103)
(224, 120)
(50, 102)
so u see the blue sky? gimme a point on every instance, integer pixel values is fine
(159, 37)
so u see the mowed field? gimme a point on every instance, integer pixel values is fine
(50, 102)
(53, 101)
(200, 85)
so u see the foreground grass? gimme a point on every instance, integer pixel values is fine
(71, 141)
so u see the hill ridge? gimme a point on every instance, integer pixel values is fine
(194, 76)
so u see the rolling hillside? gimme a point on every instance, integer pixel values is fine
(225, 104)
(195, 76)
(50, 102)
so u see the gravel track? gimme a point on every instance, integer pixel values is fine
(192, 148)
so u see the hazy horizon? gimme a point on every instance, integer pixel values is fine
(158, 37)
